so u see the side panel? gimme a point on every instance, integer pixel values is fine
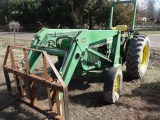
(99, 37)
(80, 46)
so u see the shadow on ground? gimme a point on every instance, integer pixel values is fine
(87, 92)
(17, 110)
(89, 99)
(82, 83)
(150, 93)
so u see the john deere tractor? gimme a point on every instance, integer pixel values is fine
(80, 52)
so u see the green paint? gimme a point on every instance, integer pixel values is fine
(134, 2)
(82, 51)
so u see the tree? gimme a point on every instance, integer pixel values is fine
(158, 17)
(102, 15)
(60, 14)
(91, 8)
(14, 26)
(122, 14)
(141, 4)
(89, 12)
(79, 13)
(151, 8)
(4, 12)
(26, 11)
(148, 8)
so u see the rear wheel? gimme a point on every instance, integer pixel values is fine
(112, 85)
(138, 56)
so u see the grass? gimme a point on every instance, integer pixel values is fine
(19, 42)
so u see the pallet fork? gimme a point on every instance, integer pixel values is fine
(54, 86)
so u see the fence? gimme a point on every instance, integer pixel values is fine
(147, 26)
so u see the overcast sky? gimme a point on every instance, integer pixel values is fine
(143, 4)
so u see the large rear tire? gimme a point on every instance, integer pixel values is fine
(112, 85)
(138, 56)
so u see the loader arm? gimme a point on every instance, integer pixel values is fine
(78, 50)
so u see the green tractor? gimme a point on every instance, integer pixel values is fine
(80, 52)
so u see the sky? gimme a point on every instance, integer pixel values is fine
(142, 4)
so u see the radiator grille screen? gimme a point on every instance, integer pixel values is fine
(92, 59)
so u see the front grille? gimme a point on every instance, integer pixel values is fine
(92, 59)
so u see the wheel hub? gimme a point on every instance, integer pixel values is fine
(116, 85)
(144, 56)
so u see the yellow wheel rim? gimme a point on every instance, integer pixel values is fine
(116, 85)
(144, 56)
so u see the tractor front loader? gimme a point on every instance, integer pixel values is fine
(80, 52)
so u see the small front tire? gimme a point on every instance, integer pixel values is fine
(112, 85)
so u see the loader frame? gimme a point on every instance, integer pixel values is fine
(54, 87)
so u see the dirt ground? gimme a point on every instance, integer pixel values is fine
(140, 99)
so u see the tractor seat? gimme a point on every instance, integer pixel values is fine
(123, 28)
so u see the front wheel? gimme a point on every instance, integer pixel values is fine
(112, 85)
